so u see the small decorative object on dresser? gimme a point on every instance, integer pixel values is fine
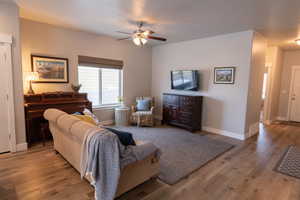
(224, 75)
(122, 116)
(182, 110)
(76, 88)
(50, 69)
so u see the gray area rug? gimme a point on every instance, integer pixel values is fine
(290, 162)
(182, 152)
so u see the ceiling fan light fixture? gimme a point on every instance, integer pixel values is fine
(297, 41)
(138, 40)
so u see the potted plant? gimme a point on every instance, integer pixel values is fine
(121, 101)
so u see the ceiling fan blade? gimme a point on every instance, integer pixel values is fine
(156, 38)
(124, 38)
(124, 32)
(148, 32)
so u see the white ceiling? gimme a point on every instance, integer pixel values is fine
(178, 20)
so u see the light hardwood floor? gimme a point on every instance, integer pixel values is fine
(243, 173)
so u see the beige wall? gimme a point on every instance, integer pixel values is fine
(254, 102)
(9, 24)
(224, 105)
(44, 39)
(290, 58)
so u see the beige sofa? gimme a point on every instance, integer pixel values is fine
(68, 132)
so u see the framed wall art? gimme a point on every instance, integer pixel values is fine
(224, 75)
(50, 69)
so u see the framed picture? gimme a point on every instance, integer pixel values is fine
(224, 75)
(50, 69)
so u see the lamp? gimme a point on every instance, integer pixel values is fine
(31, 76)
(139, 39)
(297, 41)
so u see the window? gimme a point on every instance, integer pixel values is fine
(103, 85)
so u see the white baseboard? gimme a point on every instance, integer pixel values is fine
(107, 122)
(281, 118)
(22, 147)
(268, 122)
(223, 132)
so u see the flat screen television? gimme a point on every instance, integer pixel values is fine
(185, 80)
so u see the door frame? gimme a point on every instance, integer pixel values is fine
(6, 40)
(294, 68)
(268, 100)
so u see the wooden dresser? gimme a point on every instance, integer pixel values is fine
(182, 110)
(36, 104)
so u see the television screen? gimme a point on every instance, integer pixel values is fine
(184, 80)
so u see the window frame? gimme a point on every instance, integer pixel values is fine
(110, 105)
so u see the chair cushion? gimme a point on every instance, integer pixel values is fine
(124, 137)
(143, 104)
(142, 113)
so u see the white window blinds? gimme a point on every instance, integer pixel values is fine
(102, 85)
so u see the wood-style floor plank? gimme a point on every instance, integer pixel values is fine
(243, 173)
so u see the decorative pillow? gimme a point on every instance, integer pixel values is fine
(92, 115)
(124, 137)
(78, 113)
(143, 104)
(85, 118)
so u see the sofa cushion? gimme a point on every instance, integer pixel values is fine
(85, 118)
(79, 130)
(124, 137)
(143, 104)
(65, 122)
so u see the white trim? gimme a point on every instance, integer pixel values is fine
(6, 41)
(268, 122)
(224, 133)
(253, 130)
(268, 97)
(294, 68)
(107, 122)
(22, 147)
(106, 107)
(280, 118)
(4, 38)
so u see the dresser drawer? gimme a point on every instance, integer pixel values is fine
(186, 101)
(171, 99)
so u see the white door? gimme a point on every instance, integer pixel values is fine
(4, 106)
(294, 105)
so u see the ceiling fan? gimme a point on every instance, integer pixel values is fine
(140, 37)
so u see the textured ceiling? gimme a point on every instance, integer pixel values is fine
(178, 20)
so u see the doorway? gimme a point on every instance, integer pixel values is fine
(265, 100)
(294, 96)
(7, 114)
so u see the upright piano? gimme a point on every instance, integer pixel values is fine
(36, 104)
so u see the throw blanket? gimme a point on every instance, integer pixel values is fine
(103, 156)
(100, 160)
